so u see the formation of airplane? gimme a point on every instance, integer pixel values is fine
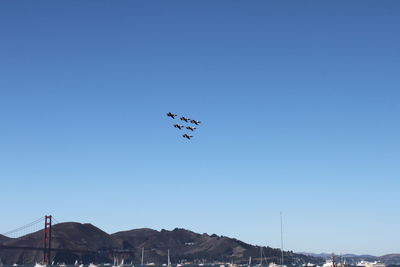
(185, 119)
(169, 114)
(180, 127)
(195, 122)
(191, 128)
(187, 136)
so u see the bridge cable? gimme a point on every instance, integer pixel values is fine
(24, 227)
(53, 218)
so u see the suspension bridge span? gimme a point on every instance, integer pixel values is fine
(45, 224)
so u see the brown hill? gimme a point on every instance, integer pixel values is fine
(190, 246)
(73, 236)
(184, 245)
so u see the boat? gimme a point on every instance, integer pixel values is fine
(329, 262)
(169, 261)
(93, 265)
(261, 257)
(115, 263)
(370, 264)
(40, 265)
(273, 264)
(232, 264)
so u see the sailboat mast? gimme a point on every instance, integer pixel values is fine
(142, 256)
(281, 240)
(169, 262)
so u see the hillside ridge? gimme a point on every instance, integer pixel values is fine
(184, 246)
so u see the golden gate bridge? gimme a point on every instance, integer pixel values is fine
(23, 232)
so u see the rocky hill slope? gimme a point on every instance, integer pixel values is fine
(184, 245)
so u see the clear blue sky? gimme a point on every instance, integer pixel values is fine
(299, 99)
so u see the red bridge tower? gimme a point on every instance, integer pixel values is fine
(47, 240)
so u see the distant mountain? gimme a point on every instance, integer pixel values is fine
(390, 259)
(360, 256)
(318, 255)
(184, 245)
(328, 255)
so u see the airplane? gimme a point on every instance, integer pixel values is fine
(169, 114)
(195, 122)
(191, 128)
(187, 136)
(185, 119)
(178, 126)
